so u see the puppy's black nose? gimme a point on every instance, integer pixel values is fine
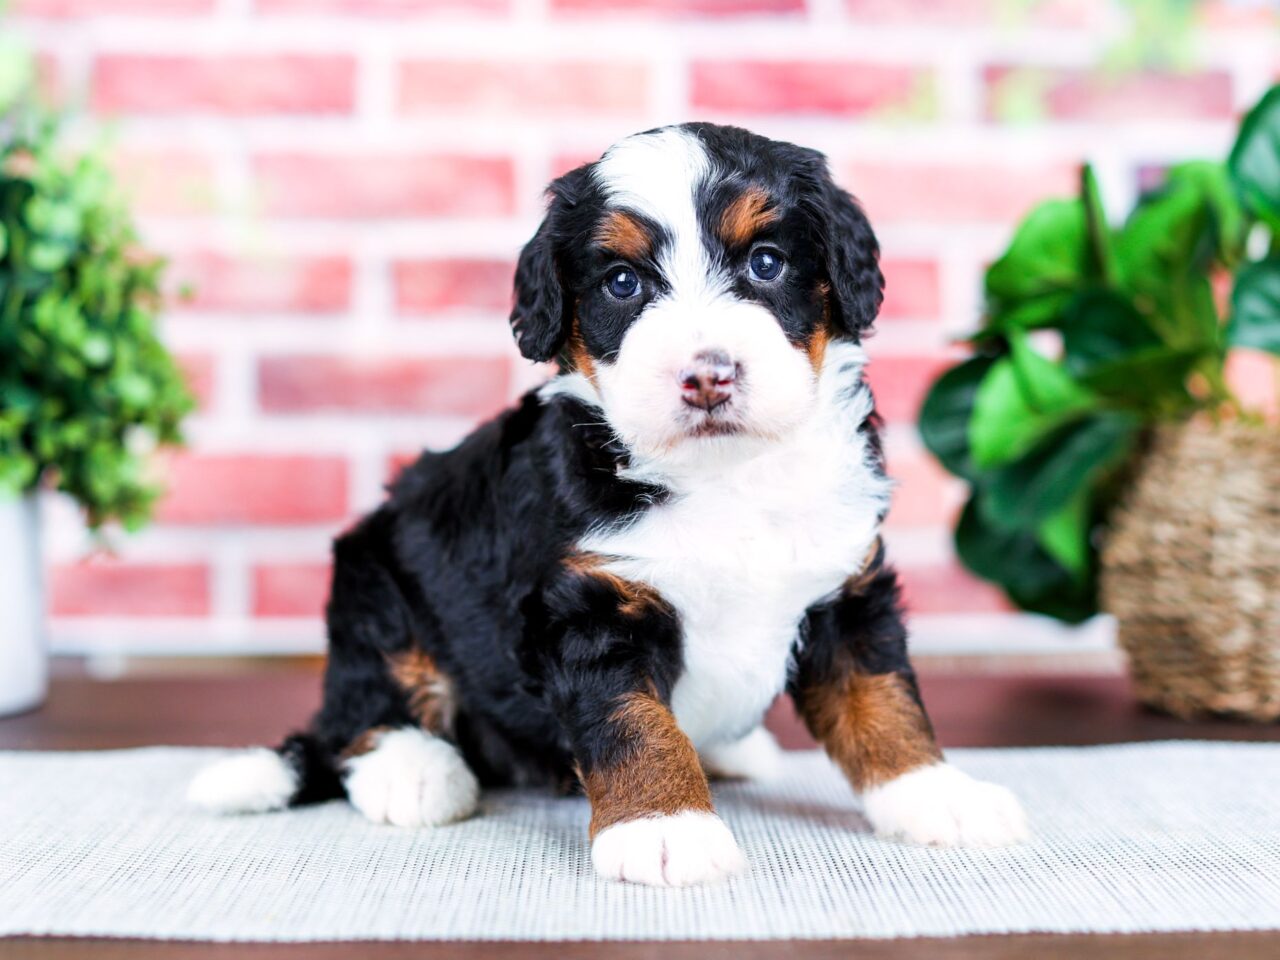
(708, 381)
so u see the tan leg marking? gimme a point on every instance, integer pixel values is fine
(634, 598)
(430, 693)
(871, 726)
(363, 744)
(657, 772)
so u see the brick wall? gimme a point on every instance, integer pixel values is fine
(346, 183)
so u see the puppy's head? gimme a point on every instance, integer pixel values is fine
(694, 275)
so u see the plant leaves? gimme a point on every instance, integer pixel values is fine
(946, 412)
(1101, 258)
(1152, 379)
(1065, 534)
(1022, 398)
(1255, 307)
(1060, 468)
(1167, 246)
(1255, 159)
(1099, 326)
(1046, 258)
(1016, 561)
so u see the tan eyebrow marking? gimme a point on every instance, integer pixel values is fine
(747, 215)
(624, 235)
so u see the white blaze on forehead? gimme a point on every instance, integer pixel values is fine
(657, 176)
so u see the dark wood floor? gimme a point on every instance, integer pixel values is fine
(968, 710)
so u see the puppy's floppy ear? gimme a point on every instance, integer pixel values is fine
(540, 318)
(537, 319)
(852, 252)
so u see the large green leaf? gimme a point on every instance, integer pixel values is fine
(1100, 250)
(1029, 284)
(1021, 399)
(1255, 159)
(1065, 534)
(947, 410)
(1016, 561)
(1100, 326)
(1068, 462)
(1255, 307)
(1151, 380)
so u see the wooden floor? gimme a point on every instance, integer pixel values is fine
(968, 710)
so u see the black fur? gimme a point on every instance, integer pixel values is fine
(466, 559)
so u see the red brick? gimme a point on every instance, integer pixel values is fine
(108, 588)
(901, 382)
(1085, 95)
(610, 88)
(947, 193)
(48, 77)
(290, 589)
(839, 88)
(949, 588)
(398, 461)
(85, 8)
(679, 8)
(383, 185)
(198, 369)
(170, 182)
(427, 286)
(563, 162)
(463, 386)
(978, 13)
(290, 284)
(255, 489)
(235, 85)
(911, 289)
(1255, 378)
(382, 8)
(925, 495)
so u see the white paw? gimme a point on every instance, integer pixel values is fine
(941, 806)
(251, 782)
(668, 851)
(411, 779)
(756, 756)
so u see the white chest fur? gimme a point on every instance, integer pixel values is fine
(744, 547)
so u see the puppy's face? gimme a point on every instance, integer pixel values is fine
(694, 276)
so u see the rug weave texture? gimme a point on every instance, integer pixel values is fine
(1158, 837)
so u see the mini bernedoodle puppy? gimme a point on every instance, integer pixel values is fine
(607, 585)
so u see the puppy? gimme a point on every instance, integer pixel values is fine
(608, 585)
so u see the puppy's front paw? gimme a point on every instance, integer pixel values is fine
(669, 851)
(411, 779)
(940, 806)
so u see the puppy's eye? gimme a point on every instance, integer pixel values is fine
(623, 283)
(765, 264)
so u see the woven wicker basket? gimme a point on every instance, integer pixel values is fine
(1191, 570)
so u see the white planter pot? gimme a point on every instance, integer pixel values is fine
(24, 659)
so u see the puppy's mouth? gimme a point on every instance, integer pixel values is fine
(725, 419)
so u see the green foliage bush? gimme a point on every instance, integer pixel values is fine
(86, 388)
(1045, 437)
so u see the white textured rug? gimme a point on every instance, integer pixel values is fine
(1160, 837)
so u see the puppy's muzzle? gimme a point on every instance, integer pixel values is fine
(710, 381)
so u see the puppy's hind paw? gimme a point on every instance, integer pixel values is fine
(411, 779)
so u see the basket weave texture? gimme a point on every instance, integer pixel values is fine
(1191, 570)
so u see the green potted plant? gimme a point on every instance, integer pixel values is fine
(86, 388)
(1097, 369)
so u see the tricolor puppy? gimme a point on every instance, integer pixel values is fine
(609, 584)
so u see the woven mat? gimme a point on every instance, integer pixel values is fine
(1159, 837)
